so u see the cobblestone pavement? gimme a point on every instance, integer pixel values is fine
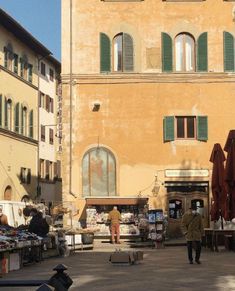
(161, 269)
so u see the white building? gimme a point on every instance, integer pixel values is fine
(49, 181)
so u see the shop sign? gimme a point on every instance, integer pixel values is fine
(186, 173)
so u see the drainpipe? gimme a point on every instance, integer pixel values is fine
(71, 102)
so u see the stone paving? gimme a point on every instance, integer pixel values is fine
(162, 269)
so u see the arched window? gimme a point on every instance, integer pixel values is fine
(24, 120)
(8, 193)
(184, 53)
(8, 114)
(99, 173)
(123, 60)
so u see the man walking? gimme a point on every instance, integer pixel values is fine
(193, 229)
(115, 218)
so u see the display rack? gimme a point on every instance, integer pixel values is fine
(156, 227)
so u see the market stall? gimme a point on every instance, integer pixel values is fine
(131, 209)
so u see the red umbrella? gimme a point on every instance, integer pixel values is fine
(218, 208)
(230, 174)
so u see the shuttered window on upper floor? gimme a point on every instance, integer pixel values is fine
(185, 127)
(122, 53)
(184, 53)
(228, 52)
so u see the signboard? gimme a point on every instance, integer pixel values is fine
(186, 173)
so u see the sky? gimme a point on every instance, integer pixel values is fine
(42, 18)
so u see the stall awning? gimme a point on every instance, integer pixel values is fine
(116, 201)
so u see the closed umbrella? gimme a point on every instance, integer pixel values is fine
(230, 174)
(218, 207)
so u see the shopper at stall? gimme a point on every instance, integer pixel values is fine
(38, 224)
(192, 227)
(115, 218)
(3, 218)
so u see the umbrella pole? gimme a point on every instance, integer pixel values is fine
(221, 219)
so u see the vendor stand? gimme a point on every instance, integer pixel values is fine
(131, 209)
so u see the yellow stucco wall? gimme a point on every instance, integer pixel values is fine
(130, 119)
(17, 151)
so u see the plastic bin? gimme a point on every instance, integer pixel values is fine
(87, 238)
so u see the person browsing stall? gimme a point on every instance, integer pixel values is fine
(192, 227)
(115, 218)
(38, 224)
(3, 218)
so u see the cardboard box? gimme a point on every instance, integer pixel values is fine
(126, 257)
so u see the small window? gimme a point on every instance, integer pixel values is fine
(186, 127)
(30, 75)
(42, 168)
(42, 100)
(43, 69)
(51, 75)
(175, 209)
(47, 176)
(51, 171)
(51, 136)
(15, 64)
(43, 133)
(8, 114)
(23, 175)
(24, 120)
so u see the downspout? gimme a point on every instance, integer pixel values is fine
(71, 101)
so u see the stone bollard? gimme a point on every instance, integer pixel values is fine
(61, 280)
(45, 287)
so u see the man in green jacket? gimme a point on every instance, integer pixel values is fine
(192, 227)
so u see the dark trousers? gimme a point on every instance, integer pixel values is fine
(190, 250)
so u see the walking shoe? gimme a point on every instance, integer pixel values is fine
(198, 262)
(190, 262)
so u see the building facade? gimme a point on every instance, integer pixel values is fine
(49, 134)
(20, 54)
(147, 92)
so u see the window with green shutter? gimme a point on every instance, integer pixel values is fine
(105, 54)
(228, 52)
(128, 50)
(202, 128)
(168, 127)
(17, 117)
(15, 64)
(167, 64)
(30, 73)
(22, 119)
(202, 59)
(31, 124)
(1, 107)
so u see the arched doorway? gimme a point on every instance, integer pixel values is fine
(8, 193)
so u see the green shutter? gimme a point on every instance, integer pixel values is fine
(0, 110)
(21, 67)
(17, 117)
(31, 124)
(202, 128)
(128, 51)
(169, 132)
(202, 54)
(104, 53)
(228, 52)
(167, 64)
(6, 113)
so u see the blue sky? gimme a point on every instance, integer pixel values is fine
(42, 18)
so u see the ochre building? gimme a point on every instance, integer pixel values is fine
(148, 89)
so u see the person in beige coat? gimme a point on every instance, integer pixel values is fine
(192, 227)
